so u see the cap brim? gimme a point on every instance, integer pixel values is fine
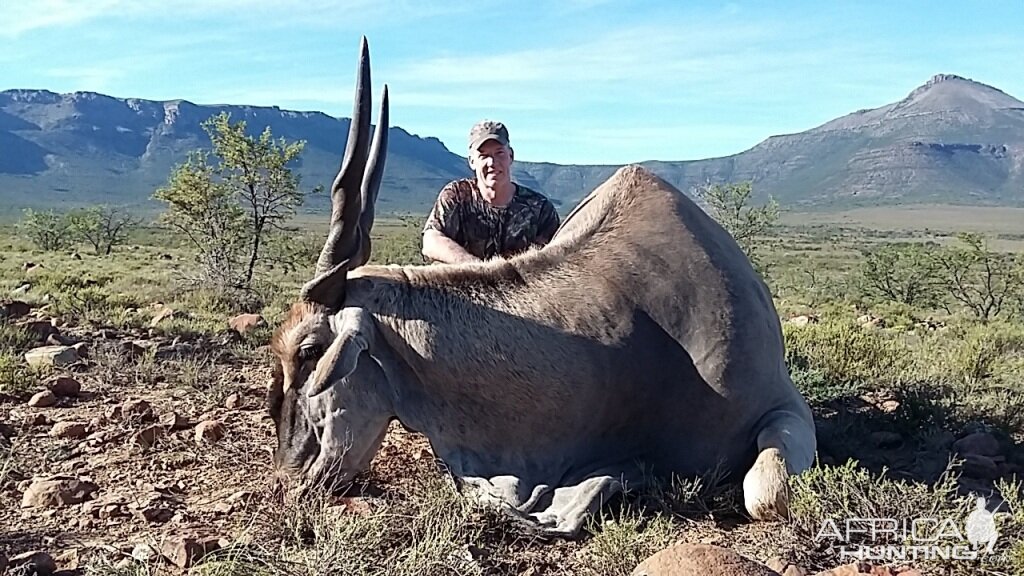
(479, 141)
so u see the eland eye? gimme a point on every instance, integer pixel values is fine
(310, 352)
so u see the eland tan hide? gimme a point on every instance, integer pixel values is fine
(640, 343)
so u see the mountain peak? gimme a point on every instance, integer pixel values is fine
(947, 95)
(955, 82)
(948, 92)
(943, 77)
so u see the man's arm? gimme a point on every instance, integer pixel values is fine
(441, 226)
(441, 248)
(548, 224)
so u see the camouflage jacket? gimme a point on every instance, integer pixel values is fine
(487, 231)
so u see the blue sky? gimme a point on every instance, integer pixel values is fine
(577, 81)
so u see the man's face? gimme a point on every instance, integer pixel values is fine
(492, 163)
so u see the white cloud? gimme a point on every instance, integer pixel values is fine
(97, 78)
(20, 16)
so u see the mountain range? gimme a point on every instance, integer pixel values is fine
(950, 141)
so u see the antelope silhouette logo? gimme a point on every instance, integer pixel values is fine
(981, 527)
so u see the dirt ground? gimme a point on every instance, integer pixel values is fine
(149, 451)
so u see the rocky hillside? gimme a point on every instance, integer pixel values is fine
(952, 140)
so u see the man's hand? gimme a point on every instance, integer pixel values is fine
(440, 248)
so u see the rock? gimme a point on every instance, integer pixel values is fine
(981, 467)
(229, 337)
(92, 507)
(43, 399)
(889, 406)
(785, 568)
(209, 431)
(65, 387)
(51, 356)
(32, 420)
(245, 323)
(143, 553)
(21, 289)
(136, 409)
(82, 348)
(111, 510)
(886, 439)
(173, 421)
(233, 402)
(68, 560)
(71, 430)
(147, 437)
(55, 339)
(3, 563)
(57, 491)
(6, 431)
(802, 320)
(185, 552)
(136, 348)
(176, 350)
(700, 560)
(42, 330)
(35, 563)
(14, 310)
(164, 313)
(155, 514)
(112, 413)
(243, 496)
(871, 321)
(981, 443)
(939, 441)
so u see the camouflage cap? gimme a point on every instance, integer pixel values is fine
(487, 130)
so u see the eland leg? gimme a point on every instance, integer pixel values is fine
(786, 445)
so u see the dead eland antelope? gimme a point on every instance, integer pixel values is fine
(640, 341)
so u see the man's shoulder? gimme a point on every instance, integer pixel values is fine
(531, 197)
(461, 190)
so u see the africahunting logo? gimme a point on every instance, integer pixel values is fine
(923, 538)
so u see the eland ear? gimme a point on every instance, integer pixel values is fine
(351, 343)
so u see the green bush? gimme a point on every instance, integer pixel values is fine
(14, 338)
(15, 377)
(978, 352)
(839, 352)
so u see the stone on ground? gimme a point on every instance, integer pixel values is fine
(700, 560)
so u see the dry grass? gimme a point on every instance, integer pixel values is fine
(405, 517)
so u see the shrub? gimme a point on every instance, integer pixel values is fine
(841, 353)
(47, 230)
(905, 273)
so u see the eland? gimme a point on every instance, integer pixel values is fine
(639, 343)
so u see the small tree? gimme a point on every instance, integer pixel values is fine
(904, 273)
(47, 230)
(102, 226)
(227, 210)
(208, 215)
(986, 282)
(729, 204)
(257, 169)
